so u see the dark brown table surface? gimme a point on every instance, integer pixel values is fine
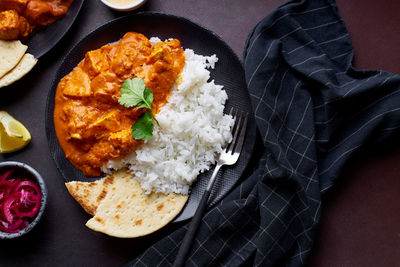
(360, 223)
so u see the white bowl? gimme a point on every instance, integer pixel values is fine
(134, 5)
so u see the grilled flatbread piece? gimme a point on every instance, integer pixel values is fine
(11, 53)
(125, 211)
(23, 67)
(89, 195)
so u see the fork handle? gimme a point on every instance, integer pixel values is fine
(191, 232)
(194, 225)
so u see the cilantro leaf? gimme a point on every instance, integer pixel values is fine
(135, 94)
(148, 96)
(143, 127)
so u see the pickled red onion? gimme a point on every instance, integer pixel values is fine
(20, 201)
(5, 175)
(28, 185)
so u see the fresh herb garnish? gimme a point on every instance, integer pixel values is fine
(134, 93)
(143, 127)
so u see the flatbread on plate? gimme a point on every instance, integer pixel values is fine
(121, 207)
(11, 53)
(27, 62)
(89, 195)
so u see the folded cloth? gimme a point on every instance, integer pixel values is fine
(313, 112)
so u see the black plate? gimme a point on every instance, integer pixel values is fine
(228, 72)
(42, 41)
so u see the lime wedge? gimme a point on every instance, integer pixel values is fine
(13, 134)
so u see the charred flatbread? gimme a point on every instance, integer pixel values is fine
(122, 208)
(27, 62)
(11, 53)
(89, 195)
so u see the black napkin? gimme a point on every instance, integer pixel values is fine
(313, 112)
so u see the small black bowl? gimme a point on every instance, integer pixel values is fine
(31, 173)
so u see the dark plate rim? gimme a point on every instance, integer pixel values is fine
(55, 25)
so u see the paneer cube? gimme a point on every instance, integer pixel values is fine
(109, 122)
(9, 25)
(122, 141)
(130, 52)
(95, 62)
(106, 87)
(78, 85)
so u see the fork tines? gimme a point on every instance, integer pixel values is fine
(238, 127)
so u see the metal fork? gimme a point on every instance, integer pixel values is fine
(228, 156)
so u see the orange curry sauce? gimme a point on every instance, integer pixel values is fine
(91, 126)
(20, 18)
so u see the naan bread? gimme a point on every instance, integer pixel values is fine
(89, 195)
(11, 53)
(23, 67)
(122, 209)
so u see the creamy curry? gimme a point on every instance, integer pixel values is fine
(20, 18)
(91, 126)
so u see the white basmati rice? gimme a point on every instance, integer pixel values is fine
(193, 129)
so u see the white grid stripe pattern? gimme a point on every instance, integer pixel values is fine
(264, 194)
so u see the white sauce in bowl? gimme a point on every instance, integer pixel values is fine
(122, 3)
